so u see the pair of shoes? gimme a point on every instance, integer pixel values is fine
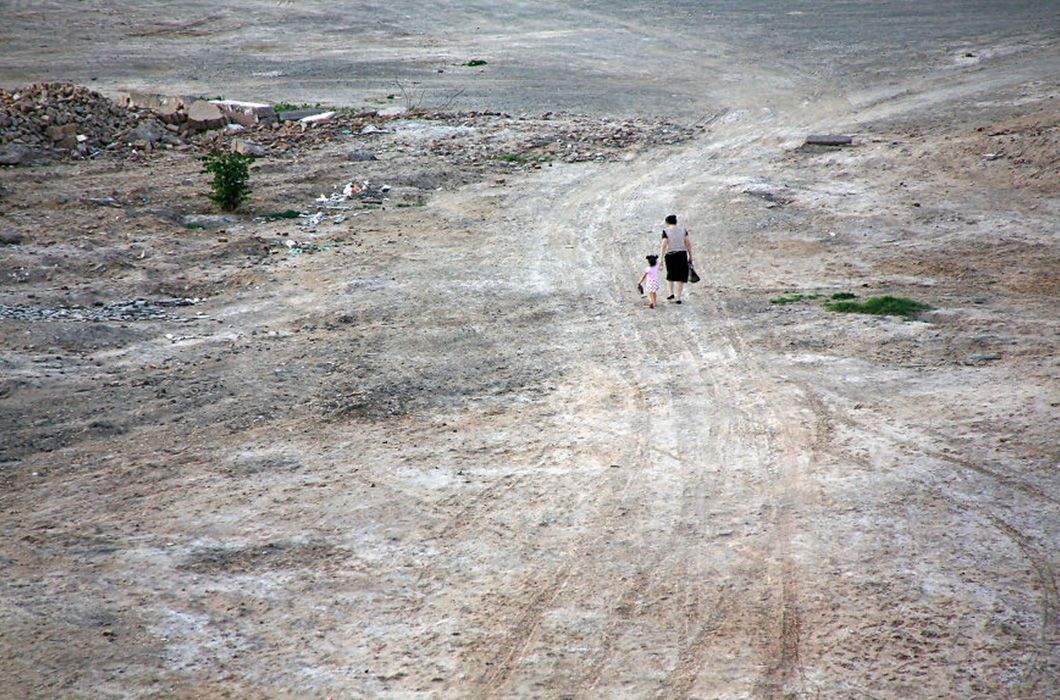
(670, 298)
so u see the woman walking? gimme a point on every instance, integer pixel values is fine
(677, 252)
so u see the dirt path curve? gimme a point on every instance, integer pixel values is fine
(711, 568)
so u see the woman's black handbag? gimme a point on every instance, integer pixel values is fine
(692, 276)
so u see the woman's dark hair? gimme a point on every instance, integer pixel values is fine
(671, 219)
(652, 259)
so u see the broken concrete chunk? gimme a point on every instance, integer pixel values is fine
(203, 115)
(294, 115)
(168, 107)
(360, 156)
(246, 113)
(828, 140)
(315, 119)
(394, 111)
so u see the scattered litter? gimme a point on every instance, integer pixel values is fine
(103, 201)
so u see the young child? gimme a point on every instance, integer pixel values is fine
(649, 281)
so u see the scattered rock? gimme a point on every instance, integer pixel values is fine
(360, 156)
(828, 140)
(10, 237)
(209, 221)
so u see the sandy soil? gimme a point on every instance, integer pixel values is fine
(445, 450)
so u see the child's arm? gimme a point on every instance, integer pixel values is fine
(642, 278)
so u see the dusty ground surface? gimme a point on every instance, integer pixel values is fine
(424, 448)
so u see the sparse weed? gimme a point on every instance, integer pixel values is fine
(840, 296)
(292, 106)
(475, 62)
(792, 298)
(281, 215)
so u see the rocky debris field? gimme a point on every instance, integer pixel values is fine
(50, 121)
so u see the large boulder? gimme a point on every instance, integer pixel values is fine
(203, 115)
(249, 148)
(246, 113)
(10, 237)
(150, 131)
(60, 133)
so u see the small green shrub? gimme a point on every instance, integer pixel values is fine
(231, 174)
(475, 62)
(840, 296)
(512, 158)
(879, 306)
(792, 298)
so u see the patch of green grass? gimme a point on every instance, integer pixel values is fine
(280, 215)
(292, 106)
(792, 298)
(512, 158)
(195, 227)
(879, 306)
(840, 296)
(475, 62)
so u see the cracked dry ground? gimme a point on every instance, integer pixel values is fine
(454, 455)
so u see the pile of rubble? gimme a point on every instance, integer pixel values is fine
(56, 120)
(49, 119)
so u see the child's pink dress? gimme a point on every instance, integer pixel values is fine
(651, 282)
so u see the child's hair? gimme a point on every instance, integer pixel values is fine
(652, 259)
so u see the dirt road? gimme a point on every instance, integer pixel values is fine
(460, 458)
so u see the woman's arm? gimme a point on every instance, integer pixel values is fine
(665, 245)
(688, 246)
